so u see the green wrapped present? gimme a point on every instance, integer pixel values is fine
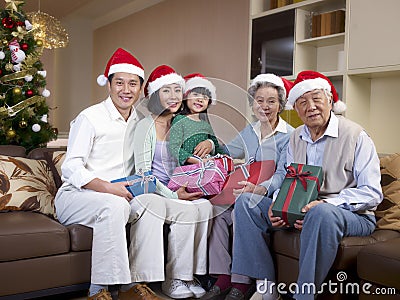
(300, 186)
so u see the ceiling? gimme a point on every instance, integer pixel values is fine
(55, 8)
(90, 8)
(99, 12)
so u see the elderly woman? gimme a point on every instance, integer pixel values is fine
(265, 139)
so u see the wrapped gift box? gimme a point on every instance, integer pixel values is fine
(207, 178)
(255, 172)
(300, 187)
(140, 183)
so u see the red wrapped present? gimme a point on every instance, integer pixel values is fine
(255, 172)
(300, 186)
(226, 161)
(208, 177)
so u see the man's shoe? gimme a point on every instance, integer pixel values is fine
(138, 292)
(176, 288)
(196, 288)
(102, 295)
(235, 294)
(215, 293)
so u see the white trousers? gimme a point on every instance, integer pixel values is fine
(190, 224)
(108, 215)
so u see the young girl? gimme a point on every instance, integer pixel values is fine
(192, 126)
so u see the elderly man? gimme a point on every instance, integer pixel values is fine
(348, 196)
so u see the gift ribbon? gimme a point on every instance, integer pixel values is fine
(209, 165)
(144, 180)
(302, 177)
(246, 173)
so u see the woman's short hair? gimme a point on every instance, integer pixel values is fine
(281, 93)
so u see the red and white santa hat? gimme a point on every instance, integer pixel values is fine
(272, 78)
(196, 80)
(121, 61)
(162, 75)
(307, 81)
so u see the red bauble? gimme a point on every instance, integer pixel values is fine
(29, 93)
(1, 72)
(24, 46)
(8, 22)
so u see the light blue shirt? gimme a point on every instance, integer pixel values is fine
(368, 193)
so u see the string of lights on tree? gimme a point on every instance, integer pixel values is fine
(23, 92)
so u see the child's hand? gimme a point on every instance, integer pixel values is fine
(203, 148)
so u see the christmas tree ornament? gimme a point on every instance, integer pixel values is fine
(17, 55)
(29, 93)
(13, 5)
(39, 43)
(18, 75)
(42, 73)
(17, 67)
(20, 33)
(2, 55)
(1, 72)
(3, 112)
(17, 91)
(9, 67)
(24, 46)
(11, 133)
(36, 127)
(23, 124)
(44, 118)
(8, 23)
(28, 78)
(28, 25)
(46, 93)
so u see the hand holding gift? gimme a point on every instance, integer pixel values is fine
(300, 187)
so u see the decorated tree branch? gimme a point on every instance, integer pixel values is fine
(23, 108)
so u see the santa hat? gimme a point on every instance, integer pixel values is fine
(307, 81)
(121, 61)
(198, 80)
(162, 75)
(269, 77)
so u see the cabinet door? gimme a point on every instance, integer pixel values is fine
(373, 36)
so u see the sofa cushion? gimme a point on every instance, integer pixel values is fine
(380, 263)
(26, 184)
(54, 157)
(287, 242)
(29, 234)
(388, 212)
(12, 150)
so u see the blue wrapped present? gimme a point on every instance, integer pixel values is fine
(139, 183)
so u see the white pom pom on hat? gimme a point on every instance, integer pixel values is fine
(307, 81)
(199, 80)
(121, 61)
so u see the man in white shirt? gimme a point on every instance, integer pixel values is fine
(100, 150)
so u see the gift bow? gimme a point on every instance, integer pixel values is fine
(243, 167)
(301, 176)
(144, 180)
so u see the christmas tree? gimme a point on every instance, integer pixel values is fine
(23, 93)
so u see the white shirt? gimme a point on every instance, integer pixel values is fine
(281, 127)
(100, 145)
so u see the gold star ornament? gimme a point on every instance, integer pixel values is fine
(13, 5)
